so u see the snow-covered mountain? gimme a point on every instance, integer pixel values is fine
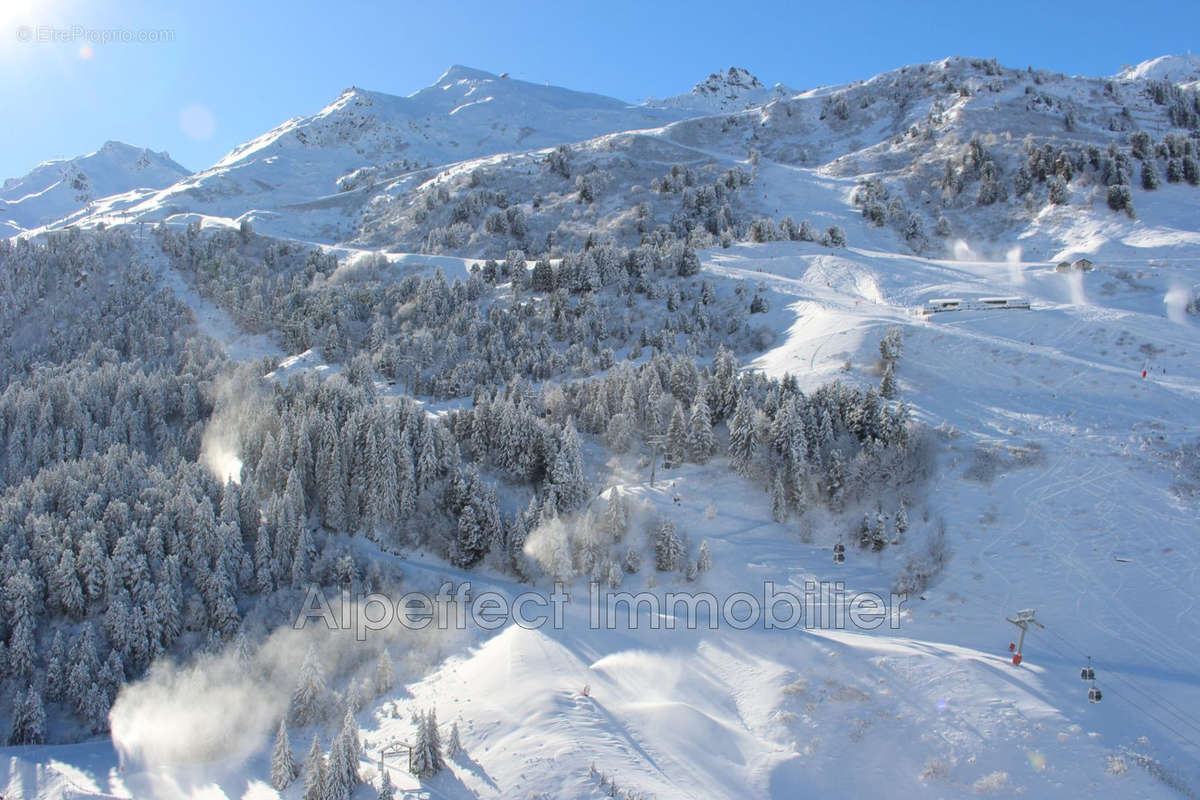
(1060, 468)
(55, 189)
(381, 170)
(1183, 70)
(328, 161)
(733, 90)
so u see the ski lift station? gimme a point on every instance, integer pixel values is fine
(942, 304)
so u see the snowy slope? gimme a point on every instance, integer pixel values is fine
(1059, 485)
(55, 189)
(1063, 477)
(1181, 69)
(355, 172)
(320, 168)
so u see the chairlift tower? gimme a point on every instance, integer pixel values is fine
(657, 442)
(1022, 620)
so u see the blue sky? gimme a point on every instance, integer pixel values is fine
(226, 73)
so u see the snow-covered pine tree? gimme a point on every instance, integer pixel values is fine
(676, 450)
(454, 746)
(704, 558)
(67, 586)
(700, 441)
(779, 498)
(570, 484)
(427, 750)
(314, 772)
(427, 461)
(435, 739)
(743, 437)
(470, 545)
(335, 761)
(615, 521)
(351, 749)
(668, 547)
(29, 718)
(887, 385)
(309, 693)
(387, 791)
(56, 668)
(652, 409)
(835, 479)
(1150, 179)
(283, 764)
(303, 558)
(264, 578)
(384, 674)
(518, 533)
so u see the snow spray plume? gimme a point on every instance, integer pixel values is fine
(220, 445)
(963, 251)
(1013, 259)
(1075, 284)
(215, 708)
(1176, 301)
(549, 546)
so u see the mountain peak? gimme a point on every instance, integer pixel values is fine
(458, 72)
(1183, 69)
(55, 189)
(733, 81)
(734, 89)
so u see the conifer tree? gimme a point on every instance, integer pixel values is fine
(310, 689)
(283, 764)
(779, 498)
(1150, 180)
(264, 578)
(570, 485)
(387, 791)
(384, 674)
(427, 750)
(676, 449)
(351, 749)
(668, 547)
(887, 386)
(29, 718)
(56, 668)
(615, 521)
(701, 443)
(470, 545)
(303, 558)
(314, 772)
(743, 438)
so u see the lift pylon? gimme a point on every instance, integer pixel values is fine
(1022, 620)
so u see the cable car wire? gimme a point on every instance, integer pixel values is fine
(1133, 704)
(1149, 697)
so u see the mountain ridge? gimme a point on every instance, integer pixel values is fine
(57, 187)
